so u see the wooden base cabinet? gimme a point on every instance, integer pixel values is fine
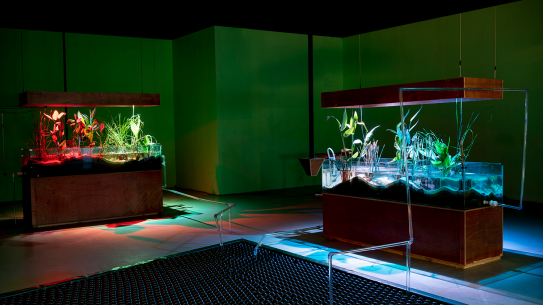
(62, 200)
(459, 238)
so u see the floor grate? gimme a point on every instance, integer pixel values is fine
(231, 275)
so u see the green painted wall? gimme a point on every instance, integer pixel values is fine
(327, 76)
(196, 111)
(262, 108)
(429, 50)
(97, 63)
(243, 99)
(94, 64)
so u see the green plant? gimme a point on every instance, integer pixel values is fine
(462, 137)
(347, 128)
(127, 133)
(404, 138)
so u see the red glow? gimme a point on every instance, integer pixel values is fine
(130, 223)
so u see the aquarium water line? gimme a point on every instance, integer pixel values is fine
(523, 175)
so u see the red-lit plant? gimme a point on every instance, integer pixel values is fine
(58, 127)
(44, 134)
(85, 127)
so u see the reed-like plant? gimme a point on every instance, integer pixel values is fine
(127, 133)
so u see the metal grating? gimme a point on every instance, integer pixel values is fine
(231, 275)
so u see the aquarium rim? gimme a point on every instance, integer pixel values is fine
(401, 90)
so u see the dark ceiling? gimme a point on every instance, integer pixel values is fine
(154, 20)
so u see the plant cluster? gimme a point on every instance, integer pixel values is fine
(85, 128)
(347, 128)
(48, 129)
(127, 132)
(421, 148)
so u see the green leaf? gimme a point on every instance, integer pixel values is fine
(344, 121)
(413, 126)
(135, 129)
(369, 134)
(348, 132)
(331, 116)
(355, 116)
(355, 155)
(411, 120)
(357, 141)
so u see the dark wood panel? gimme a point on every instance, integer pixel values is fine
(385, 96)
(484, 234)
(440, 234)
(87, 99)
(77, 198)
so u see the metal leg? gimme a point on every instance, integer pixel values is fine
(330, 280)
(14, 214)
(408, 269)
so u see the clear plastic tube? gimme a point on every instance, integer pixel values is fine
(332, 254)
(217, 216)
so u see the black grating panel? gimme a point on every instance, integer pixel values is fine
(213, 276)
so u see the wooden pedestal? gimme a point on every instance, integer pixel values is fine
(453, 237)
(81, 198)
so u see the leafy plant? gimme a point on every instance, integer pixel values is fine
(58, 127)
(85, 127)
(443, 160)
(43, 134)
(404, 138)
(347, 128)
(127, 133)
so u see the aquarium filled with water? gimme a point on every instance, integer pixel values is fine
(95, 147)
(438, 172)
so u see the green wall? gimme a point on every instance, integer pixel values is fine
(327, 76)
(243, 98)
(429, 50)
(196, 111)
(33, 60)
(262, 109)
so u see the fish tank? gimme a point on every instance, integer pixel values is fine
(438, 170)
(95, 147)
(456, 189)
(95, 160)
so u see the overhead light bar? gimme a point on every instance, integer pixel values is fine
(386, 96)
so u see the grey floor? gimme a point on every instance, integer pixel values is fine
(30, 259)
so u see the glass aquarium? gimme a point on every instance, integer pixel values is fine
(428, 184)
(95, 147)
(94, 160)
(438, 171)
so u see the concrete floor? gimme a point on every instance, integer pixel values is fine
(30, 259)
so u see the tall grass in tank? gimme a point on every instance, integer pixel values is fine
(404, 138)
(125, 137)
